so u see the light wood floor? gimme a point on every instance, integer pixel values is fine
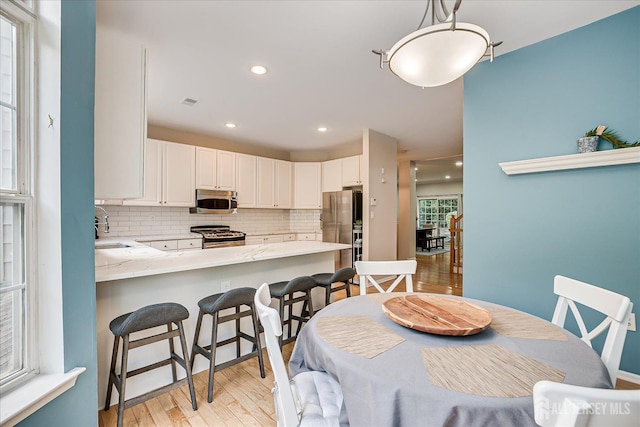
(241, 397)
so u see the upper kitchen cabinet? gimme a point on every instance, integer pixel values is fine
(332, 175)
(351, 171)
(215, 169)
(246, 180)
(120, 116)
(307, 185)
(170, 175)
(273, 183)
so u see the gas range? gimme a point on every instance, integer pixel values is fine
(216, 236)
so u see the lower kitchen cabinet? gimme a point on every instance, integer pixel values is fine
(280, 238)
(306, 236)
(175, 244)
(258, 240)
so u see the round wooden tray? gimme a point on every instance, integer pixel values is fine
(437, 315)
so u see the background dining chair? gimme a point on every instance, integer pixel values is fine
(403, 269)
(615, 306)
(565, 405)
(310, 398)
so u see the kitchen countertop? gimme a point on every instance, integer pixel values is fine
(141, 260)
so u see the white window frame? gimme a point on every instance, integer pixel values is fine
(25, 23)
(45, 253)
(440, 231)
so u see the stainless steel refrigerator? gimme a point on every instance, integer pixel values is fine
(340, 211)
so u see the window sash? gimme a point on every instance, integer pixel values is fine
(18, 269)
(14, 291)
(435, 210)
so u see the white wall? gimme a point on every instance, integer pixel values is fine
(440, 189)
(407, 210)
(380, 223)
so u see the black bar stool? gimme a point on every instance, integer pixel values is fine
(212, 305)
(343, 276)
(284, 292)
(146, 318)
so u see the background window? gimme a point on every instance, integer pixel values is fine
(438, 210)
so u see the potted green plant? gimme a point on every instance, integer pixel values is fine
(589, 142)
(358, 224)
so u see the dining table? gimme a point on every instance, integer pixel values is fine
(394, 375)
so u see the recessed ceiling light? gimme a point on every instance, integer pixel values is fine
(230, 125)
(258, 69)
(322, 129)
(458, 163)
(447, 177)
(416, 179)
(416, 168)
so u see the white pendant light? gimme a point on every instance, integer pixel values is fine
(440, 53)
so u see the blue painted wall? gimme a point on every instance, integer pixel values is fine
(78, 406)
(520, 231)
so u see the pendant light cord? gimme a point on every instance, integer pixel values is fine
(440, 14)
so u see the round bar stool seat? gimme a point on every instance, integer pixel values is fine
(148, 317)
(284, 292)
(213, 305)
(325, 280)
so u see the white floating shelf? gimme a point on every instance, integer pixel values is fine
(620, 156)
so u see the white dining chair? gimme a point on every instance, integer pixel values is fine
(616, 307)
(402, 269)
(311, 398)
(565, 405)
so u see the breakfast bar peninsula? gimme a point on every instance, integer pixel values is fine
(136, 275)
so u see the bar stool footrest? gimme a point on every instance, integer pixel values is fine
(153, 393)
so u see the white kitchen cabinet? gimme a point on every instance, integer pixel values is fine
(351, 171)
(189, 244)
(290, 237)
(273, 183)
(164, 245)
(306, 236)
(120, 118)
(276, 238)
(170, 176)
(307, 185)
(246, 180)
(258, 240)
(175, 244)
(283, 185)
(252, 240)
(215, 169)
(332, 175)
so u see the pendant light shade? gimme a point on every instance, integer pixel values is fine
(436, 55)
(440, 53)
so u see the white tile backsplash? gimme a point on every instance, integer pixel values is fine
(132, 221)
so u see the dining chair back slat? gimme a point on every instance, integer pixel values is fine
(615, 307)
(565, 405)
(402, 269)
(310, 398)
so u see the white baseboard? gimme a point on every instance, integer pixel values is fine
(629, 376)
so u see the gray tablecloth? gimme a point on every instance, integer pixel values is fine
(394, 388)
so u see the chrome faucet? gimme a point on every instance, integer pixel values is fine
(105, 219)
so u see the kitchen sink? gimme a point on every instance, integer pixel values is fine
(111, 245)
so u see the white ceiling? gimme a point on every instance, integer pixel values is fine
(321, 69)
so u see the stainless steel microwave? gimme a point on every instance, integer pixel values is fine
(215, 202)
